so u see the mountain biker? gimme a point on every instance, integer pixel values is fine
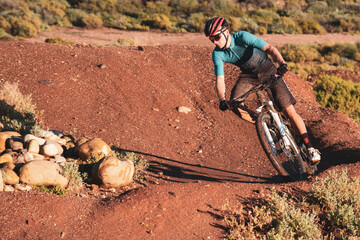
(249, 53)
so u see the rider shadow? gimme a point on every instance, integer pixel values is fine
(177, 171)
(334, 156)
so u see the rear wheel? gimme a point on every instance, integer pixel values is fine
(286, 158)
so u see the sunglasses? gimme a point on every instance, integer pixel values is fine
(215, 37)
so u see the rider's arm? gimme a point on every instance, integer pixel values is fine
(220, 87)
(274, 53)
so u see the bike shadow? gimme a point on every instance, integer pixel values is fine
(176, 171)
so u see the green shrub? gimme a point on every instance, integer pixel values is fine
(16, 109)
(52, 12)
(52, 190)
(299, 53)
(71, 172)
(92, 21)
(160, 21)
(330, 210)
(347, 50)
(2, 33)
(76, 16)
(23, 28)
(340, 95)
(339, 198)
(58, 40)
(276, 218)
(126, 42)
(310, 26)
(284, 25)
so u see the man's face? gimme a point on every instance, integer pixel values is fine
(220, 39)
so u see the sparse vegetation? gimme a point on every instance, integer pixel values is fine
(17, 110)
(58, 40)
(52, 190)
(340, 95)
(329, 211)
(25, 18)
(71, 172)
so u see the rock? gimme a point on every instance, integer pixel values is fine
(183, 109)
(8, 188)
(15, 145)
(40, 172)
(59, 159)
(1, 182)
(29, 137)
(113, 172)
(51, 148)
(9, 176)
(22, 187)
(4, 136)
(8, 165)
(81, 141)
(33, 146)
(94, 146)
(6, 158)
(28, 157)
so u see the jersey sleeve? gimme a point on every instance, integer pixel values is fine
(252, 40)
(218, 64)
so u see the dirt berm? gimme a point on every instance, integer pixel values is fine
(128, 96)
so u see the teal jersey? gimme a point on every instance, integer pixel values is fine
(239, 42)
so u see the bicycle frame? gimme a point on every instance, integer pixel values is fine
(268, 104)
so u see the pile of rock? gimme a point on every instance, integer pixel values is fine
(30, 160)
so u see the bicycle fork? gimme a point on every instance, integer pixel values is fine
(285, 142)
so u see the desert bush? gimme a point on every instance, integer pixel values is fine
(346, 63)
(264, 17)
(126, 42)
(2, 33)
(4, 24)
(76, 16)
(160, 21)
(58, 40)
(16, 109)
(317, 7)
(71, 172)
(52, 12)
(184, 6)
(347, 50)
(310, 26)
(339, 199)
(92, 21)
(284, 25)
(52, 190)
(248, 24)
(299, 53)
(279, 217)
(330, 210)
(340, 95)
(196, 22)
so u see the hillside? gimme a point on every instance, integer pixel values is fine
(128, 96)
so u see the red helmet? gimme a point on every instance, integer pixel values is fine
(215, 26)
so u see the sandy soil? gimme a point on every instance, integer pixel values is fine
(197, 160)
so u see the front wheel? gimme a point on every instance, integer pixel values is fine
(285, 157)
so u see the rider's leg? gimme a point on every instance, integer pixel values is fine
(299, 125)
(244, 83)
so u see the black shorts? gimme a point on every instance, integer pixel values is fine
(282, 95)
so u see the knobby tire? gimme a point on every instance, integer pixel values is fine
(292, 167)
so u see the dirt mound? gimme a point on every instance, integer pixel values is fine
(129, 96)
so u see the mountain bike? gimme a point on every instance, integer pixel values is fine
(280, 142)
